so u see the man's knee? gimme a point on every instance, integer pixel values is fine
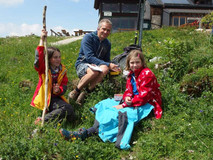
(93, 73)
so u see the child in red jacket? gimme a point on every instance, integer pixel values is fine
(142, 88)
(58, 106)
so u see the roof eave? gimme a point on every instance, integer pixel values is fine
(96, 4)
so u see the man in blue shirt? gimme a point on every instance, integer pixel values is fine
(95, 51)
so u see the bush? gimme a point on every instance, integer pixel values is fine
(198, 81)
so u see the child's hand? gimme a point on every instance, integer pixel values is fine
(118, 106)
(43, 34)
(56, 88)
(128, 101)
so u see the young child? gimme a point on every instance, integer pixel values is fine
(58, 106)
(142, 94)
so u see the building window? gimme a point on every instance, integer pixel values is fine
(123, 23)
(182, 20)
(177, 20)
(129, 8)
(111, 7)
(203, 2)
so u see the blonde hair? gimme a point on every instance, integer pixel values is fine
(104, 21)
(135, 53)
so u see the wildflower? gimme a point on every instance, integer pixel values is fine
(59, 124)
(76, 156)
(182, 119)
(73, 138)
(28, 115)
(191, 151)
(4, 112)
(201, 111)
(55, 144)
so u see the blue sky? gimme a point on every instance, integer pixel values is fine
(24, 17)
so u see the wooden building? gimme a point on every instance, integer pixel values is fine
(124, 13)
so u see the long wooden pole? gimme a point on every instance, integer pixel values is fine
(141, 22)
(46, 66)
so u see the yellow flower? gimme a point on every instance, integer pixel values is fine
(73, 138)
(76, 156)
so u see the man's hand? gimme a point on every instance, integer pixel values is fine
(114, 67)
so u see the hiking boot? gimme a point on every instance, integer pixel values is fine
(73, 95)
(80, 134)
(81, 98)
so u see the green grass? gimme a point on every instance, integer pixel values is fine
(184, 132)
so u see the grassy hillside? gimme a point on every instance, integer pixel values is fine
(185, 73)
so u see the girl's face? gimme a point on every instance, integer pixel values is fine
(55, 60)
(135, 63)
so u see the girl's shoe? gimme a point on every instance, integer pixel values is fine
(81, 133)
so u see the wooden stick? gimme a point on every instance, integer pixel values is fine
(46, 66)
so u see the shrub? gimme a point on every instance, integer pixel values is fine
(198, 81)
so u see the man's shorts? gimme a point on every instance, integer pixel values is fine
(81, 69)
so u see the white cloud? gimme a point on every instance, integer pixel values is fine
(11, 29)
(10, 2)
(58, 28)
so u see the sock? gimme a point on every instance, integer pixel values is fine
(78, 90)
(89, 91)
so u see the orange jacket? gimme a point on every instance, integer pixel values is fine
(38, 100)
